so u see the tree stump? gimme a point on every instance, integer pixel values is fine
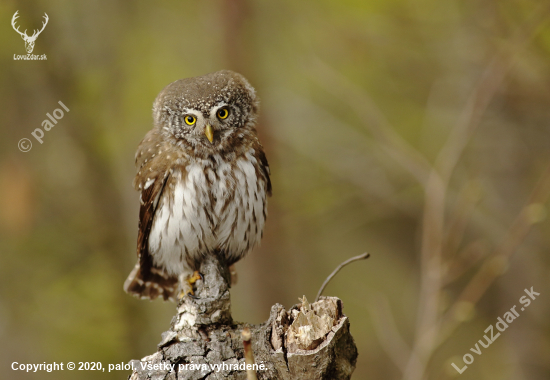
(309, 341)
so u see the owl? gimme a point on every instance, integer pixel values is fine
(204, 181)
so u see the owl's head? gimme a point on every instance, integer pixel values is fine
(205, 111)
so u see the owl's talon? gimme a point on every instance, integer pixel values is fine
(192, 295)
(194, 278)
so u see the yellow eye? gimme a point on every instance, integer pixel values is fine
(190, 120)
(223, 113)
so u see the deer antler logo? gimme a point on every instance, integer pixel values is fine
(29, 41)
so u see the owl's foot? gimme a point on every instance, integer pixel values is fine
(194, 278)
(191, 281)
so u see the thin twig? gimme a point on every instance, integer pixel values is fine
(386, 330)
(366, 108)
(248, 354)
(356, 144)
(364, 256)
(429, 315)
(493, 266)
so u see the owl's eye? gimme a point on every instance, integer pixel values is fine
(190, 120)
(223, 113)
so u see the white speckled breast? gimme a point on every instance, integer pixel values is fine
(209, 206)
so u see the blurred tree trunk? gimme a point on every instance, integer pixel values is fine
(238, 17)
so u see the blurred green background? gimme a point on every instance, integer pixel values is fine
(418, 131)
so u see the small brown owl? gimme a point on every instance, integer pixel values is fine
(203, 178)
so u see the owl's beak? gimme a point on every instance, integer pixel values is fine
(209, 133)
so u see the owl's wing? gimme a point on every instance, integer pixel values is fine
(146, 280)
(265, 168)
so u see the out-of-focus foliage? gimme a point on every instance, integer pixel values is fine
(415, 130)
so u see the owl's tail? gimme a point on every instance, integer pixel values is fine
(151, 285)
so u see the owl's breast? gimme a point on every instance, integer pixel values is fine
(240, 206)
(213, 204)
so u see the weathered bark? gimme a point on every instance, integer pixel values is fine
(305, 342)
